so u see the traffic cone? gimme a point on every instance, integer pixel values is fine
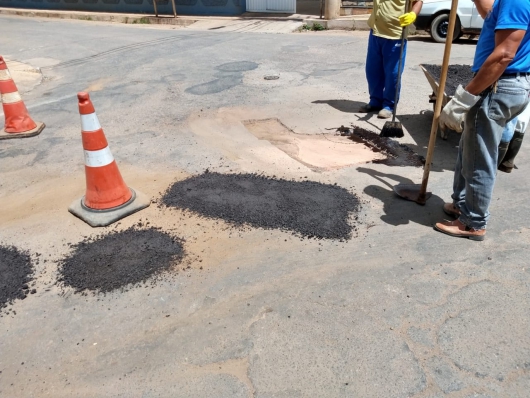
(107, 197)
(18, 122)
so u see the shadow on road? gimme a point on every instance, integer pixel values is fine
(419, 127)
(346, 106)
(398, 211)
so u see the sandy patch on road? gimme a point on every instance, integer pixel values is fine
(25, 76)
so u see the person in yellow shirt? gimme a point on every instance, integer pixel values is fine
(387, 21)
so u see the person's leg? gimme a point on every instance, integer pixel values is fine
(507, 163)
(392, 51)
(509, 130)
(484, 126)
(375, 71)
(507, 135)
(459, 182)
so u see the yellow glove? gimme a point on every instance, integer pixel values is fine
(407, 19)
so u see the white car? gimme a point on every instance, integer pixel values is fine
(434, 17)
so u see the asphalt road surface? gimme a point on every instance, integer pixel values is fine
(397, 310)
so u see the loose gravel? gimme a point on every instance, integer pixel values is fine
(456, 75)
(310, 209)
(120, 260)
(397, 154)
(16, 272)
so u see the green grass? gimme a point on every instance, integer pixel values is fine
(143, 20)
(314, 27)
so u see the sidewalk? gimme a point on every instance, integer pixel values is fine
(248, 22)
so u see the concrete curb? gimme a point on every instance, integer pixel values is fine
(340, 24)
(358, 22)
(101, 17)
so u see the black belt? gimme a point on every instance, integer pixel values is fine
(515, 74)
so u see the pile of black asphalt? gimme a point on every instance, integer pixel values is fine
(120, 260)
(396, 154)
(307, 208)
(16, 272)
(456, 75)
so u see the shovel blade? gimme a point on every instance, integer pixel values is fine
(412, 192)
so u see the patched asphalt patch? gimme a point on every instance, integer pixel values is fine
(16, 272)
(307, 208)
(456, 75)
(120, 260)
(397, 154)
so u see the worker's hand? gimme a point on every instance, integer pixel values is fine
(454, 113)
(407, 19)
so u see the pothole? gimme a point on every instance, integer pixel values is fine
(307, 208)
(318, 152)
(120, 260)
(16, 273)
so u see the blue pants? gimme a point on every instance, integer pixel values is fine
(476, 163)
(382, 64)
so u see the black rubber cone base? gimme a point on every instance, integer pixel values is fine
(412, 192)
(102, 218)
(31, 133)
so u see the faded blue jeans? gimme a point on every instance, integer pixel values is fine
(476, 163)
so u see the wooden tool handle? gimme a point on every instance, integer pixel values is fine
(439, 100)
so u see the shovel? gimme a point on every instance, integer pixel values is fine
(418, 192)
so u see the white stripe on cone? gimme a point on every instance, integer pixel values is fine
(100, 158)
(11, 98)
(5, 75)
(90, 122)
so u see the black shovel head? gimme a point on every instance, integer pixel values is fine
(392, 130)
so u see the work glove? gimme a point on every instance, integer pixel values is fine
(454, 113)
(407, 19)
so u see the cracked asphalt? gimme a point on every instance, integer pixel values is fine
(397, 311)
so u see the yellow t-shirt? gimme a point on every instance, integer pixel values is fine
(384, 20)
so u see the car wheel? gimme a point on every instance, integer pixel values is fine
(440, 26)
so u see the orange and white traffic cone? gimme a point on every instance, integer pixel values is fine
(18, 122)
(107, 198)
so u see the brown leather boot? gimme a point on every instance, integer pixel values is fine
(451, 210)
(459, 230)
